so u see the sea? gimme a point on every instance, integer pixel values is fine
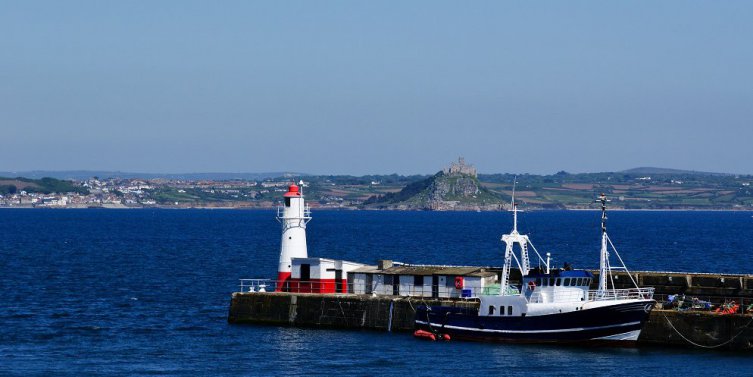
(146, 292)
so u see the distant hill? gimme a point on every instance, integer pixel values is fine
(651, 170)
(455, 188)
(86, 174)
(45, 185)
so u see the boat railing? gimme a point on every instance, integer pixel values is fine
(621, 294)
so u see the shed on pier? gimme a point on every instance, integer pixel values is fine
(421, 281)
(319, 275)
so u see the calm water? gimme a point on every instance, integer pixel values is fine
(146, 292)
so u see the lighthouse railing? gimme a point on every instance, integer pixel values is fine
(257, 285)
(305, 215)
(375, 288)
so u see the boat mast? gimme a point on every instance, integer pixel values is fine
(604, 255)
(510, 240)
(514, 210)
(522, 240)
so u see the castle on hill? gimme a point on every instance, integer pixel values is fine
(460, 167)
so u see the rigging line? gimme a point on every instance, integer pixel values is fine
(611, 277)
(541, 260)
(621, 261)
(701, 345)
(517, 262)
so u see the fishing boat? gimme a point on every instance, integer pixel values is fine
(549, 305)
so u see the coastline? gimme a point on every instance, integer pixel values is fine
(244, 208)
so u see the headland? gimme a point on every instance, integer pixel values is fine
(455, 187)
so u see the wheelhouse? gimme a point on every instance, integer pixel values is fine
(575, 279)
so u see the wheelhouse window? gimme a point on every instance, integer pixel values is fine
(559, 282)
(418, 280)
(491, 309)
(509, 310)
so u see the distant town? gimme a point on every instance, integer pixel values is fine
(167, 193)
(457, 186)
(136, 193)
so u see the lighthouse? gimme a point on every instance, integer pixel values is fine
(293, 215)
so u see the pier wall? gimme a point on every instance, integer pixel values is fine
(393, 313)
(333, 311)
(693, 284)
(727, 332)
(699, 329)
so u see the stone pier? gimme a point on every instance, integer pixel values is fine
(393, 313)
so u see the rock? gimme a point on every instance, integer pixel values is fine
(455, 188)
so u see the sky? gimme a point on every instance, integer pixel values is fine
(376, 87)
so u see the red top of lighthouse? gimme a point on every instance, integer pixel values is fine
(293, 191)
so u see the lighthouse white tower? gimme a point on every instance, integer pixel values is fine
(293, 215)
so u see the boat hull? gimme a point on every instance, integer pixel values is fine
(617, 324)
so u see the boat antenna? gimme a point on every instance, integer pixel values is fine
(604, 267)
(603, 200)
(514, 207)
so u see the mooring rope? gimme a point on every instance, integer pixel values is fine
(701, 345)
(389, 324)
(411, 305)
(341, 308)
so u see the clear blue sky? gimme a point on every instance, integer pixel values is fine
(376, 87)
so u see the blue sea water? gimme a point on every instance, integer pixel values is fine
(146, 292)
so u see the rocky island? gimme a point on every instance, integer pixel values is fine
(455, 188)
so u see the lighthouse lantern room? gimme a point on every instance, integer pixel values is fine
(293, 215)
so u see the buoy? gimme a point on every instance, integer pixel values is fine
(424, 335)
(445, 337)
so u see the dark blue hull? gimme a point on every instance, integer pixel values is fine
(617, 324)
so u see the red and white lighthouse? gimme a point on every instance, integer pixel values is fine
(293, 215)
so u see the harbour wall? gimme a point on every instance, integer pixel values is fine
(387, 313)
(714, 286)
(393, 313)
(331, 310)
(698, 330)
